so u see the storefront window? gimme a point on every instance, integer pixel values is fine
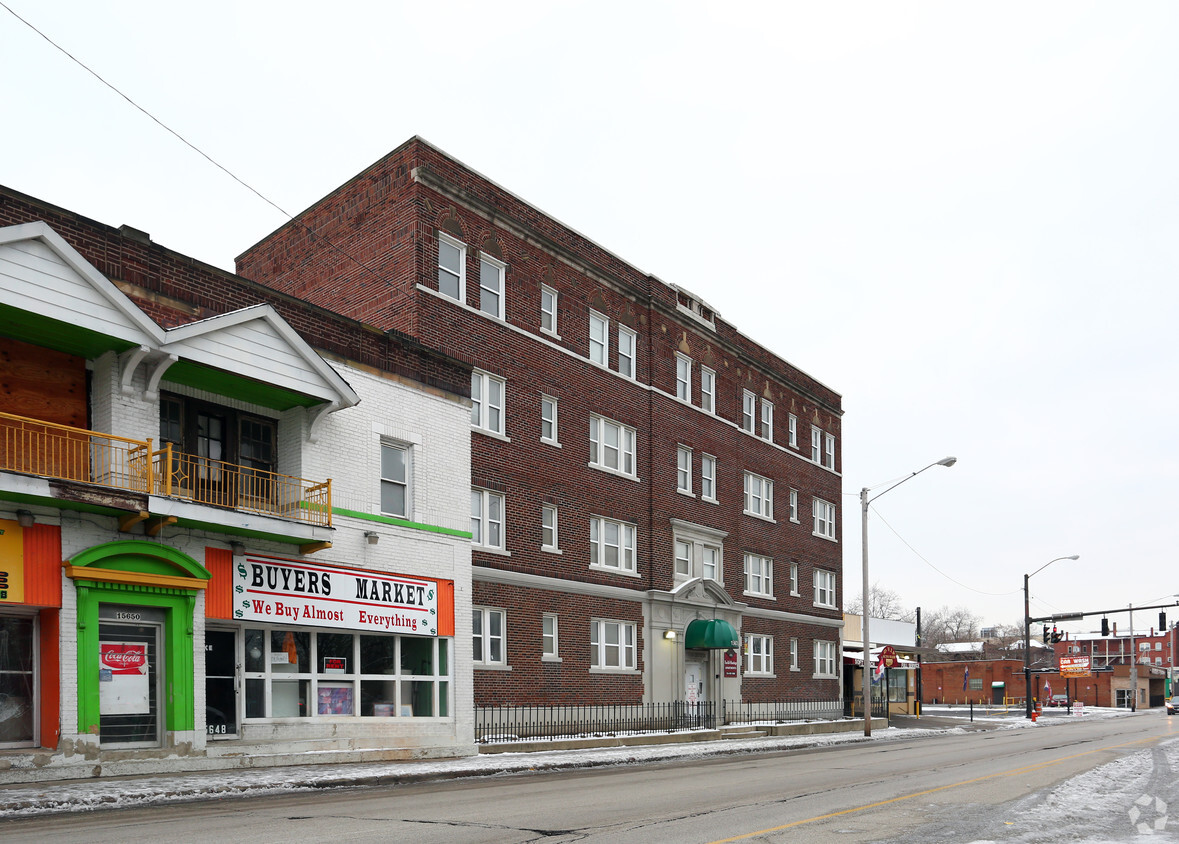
(17, 682)
(308, 674)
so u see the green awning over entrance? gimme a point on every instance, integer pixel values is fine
(710, 633)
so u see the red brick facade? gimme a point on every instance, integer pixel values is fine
(374, 256)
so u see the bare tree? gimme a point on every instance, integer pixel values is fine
(882, 603)
(945, 625)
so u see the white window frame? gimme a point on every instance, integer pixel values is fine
(549, 637)
(792, 430)
(628, 344)
(682, 559)
(683, 377)
(748, 412)
(550, 528)
(793, 654)
(481, 631)
(600, 449)
(759, 496)
(794, 580)
(462, 273)
(696, 549)
(794, 505)
(829, 451)
(766, 431)
(816, 444)
(599, 347)
(759, 655)
(625, 634)
(683, 470)
(759, 575)
(482, 524)
(824, 652)
(824, 581)
(549, 314)
(824, 518)
(403, 483)
(708, 478)
(482, 406)
(549, 420)
(707, 390)
(501, 271)
(624, 548)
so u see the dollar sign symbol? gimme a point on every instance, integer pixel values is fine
(238, 589)
(430, 594)
(241, 570)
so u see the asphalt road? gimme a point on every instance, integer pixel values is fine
(1070, 781)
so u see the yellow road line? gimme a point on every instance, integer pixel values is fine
(1017, 771)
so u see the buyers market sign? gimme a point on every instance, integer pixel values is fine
(280, 591)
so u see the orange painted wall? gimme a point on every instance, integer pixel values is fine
(43, 565)
(219, 595)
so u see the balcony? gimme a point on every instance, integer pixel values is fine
(63, 453)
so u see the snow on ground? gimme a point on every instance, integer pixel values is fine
(86, 795)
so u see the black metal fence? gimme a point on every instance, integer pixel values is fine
(495, 724)
(525, 723)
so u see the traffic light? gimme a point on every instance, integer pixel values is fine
(1105, 627)
(1047, 636)
(1056, 636)
(1162, 622)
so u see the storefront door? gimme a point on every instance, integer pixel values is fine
(129, 673)
(221, 685)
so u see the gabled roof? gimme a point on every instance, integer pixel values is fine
(52, 296)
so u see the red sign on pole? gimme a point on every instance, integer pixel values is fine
(888, 657)
(730, 663)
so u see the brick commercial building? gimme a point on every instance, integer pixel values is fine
(233, 525)
(653, 495)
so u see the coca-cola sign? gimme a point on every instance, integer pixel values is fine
(124, 657)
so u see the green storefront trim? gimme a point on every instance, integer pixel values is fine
(405, 523)
(147, 560)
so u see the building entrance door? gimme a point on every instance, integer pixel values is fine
(129, 671)
(695, 683)
(221, 685)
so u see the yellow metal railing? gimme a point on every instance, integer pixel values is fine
(41, 448)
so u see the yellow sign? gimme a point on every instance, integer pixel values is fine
(12, 563)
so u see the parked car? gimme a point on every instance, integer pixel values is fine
(1058, 700)
(1172, 704)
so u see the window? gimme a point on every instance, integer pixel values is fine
(548, 420)
(829, 451)
(824, 588)
(683, 558)
(792, 430)
(394, 480)
(334, 673)
(793, 654)
(612, 446)
(824, 659)
(19, 680)
(759, 579)
(760, 654)
(627, 340)
(816, 444)
(683, 470)
(487, 402)
(612, 545)
(487, 518)
(707, 390)
(683, 377)
(612, 645)
(599, 339)
(698, 551)
(748, 411)
(548, 527)
(794, 506)
(976, 684)
(767, 420)
(710, 562)
(487, 631)
(452, 267)
(491, 286)
(824, 514)
(548, 309)
(794, 578)
(708, 477)
(548, 636)
(759, 496)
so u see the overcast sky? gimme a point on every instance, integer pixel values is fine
(960, 216)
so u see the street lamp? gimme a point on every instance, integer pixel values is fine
(1027, 636)
(866, 677)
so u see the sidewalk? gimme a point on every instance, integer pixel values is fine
(121, 792)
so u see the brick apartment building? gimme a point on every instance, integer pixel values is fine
(232, 524)
(653, 495)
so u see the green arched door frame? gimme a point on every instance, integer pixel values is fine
(146, 574)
